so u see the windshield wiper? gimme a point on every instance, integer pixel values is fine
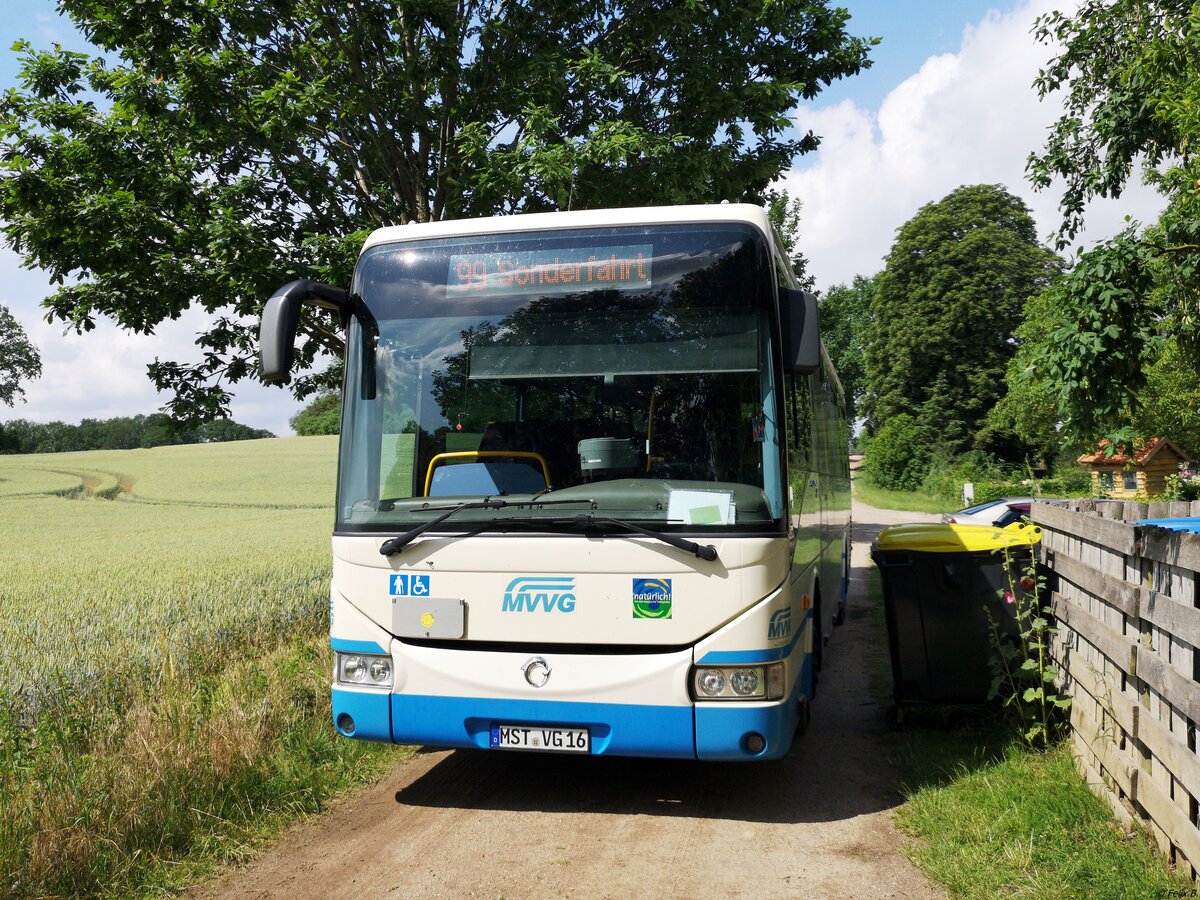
(704, 551)
(398, 543)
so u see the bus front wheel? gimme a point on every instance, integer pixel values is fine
(805, 715)
(844, 588)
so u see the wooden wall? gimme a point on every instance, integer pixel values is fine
(1128, 644)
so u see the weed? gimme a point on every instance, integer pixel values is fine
(1024, 675)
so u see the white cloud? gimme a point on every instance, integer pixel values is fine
(102, 373)
(971, 117)
(49, 29)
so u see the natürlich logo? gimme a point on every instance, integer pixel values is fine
(652, 598)
(534, 594)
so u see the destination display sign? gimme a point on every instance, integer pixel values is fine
(561, 270)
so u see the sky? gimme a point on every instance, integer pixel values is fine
(948, 101)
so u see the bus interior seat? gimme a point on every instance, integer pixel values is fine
(507, 436)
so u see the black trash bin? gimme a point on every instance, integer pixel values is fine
(940, 582)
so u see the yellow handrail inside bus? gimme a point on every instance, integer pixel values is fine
(483, 454)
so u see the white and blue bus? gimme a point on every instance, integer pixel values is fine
(593, 487)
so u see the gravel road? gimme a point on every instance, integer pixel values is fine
(475, 824)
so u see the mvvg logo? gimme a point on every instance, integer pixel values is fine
(527, 594)
(780, 625)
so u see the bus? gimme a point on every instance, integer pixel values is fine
(593, 484)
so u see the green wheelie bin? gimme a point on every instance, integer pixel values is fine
(940, 583)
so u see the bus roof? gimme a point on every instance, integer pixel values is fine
(591, 218)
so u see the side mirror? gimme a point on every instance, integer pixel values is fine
(281, 318)
(801, 331)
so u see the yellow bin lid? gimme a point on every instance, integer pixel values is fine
(930, 537)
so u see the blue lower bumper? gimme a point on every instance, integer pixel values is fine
(712, 731)
(362, 714)
(723, 732)
(615, 729)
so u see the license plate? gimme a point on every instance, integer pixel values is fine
(530, 737)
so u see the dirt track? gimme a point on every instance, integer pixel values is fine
(477, 824)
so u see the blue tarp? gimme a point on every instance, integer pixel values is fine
(1180, 524)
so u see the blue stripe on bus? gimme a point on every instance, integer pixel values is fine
(616, 728)
(344, 646)
(774, 654)
(733, 657)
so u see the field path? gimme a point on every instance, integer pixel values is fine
(477, 824)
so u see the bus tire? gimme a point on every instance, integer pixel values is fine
(840, 618)
(844, 588)
(818, 650)
(805, 713)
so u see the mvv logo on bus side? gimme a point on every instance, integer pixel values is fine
(780, 625)
(528, 594)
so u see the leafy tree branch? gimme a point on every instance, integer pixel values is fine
(221, 149)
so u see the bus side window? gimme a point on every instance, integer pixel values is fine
(798, 401)
(799, 423)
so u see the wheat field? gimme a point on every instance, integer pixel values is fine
(164, 678)
(128, 561)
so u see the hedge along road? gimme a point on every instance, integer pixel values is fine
(479, 824)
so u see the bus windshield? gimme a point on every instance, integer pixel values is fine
(630, 368)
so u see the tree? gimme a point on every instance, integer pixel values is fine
(784, 212)
(845, 322)
(1130, 74)
(19, 359)
(1027, 409)
(18, 436)
(1168, 403)
(898, 454)
(223, 148)
(1107, 324)
(121, 433)
(322, 416)
(945, 310)
(222, 430)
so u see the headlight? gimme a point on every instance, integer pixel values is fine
(365, 669)
(744, 682)
(380, 670)
(738, 682)
(353, 669)
(711, 682)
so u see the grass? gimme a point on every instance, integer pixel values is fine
(199, 548)
(990, 818)
(1022, 824)
(140, 794)
(909, 501)
(164, 685)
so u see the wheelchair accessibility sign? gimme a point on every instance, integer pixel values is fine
(409, 585)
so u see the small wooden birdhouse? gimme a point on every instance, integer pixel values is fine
(1142, 473)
